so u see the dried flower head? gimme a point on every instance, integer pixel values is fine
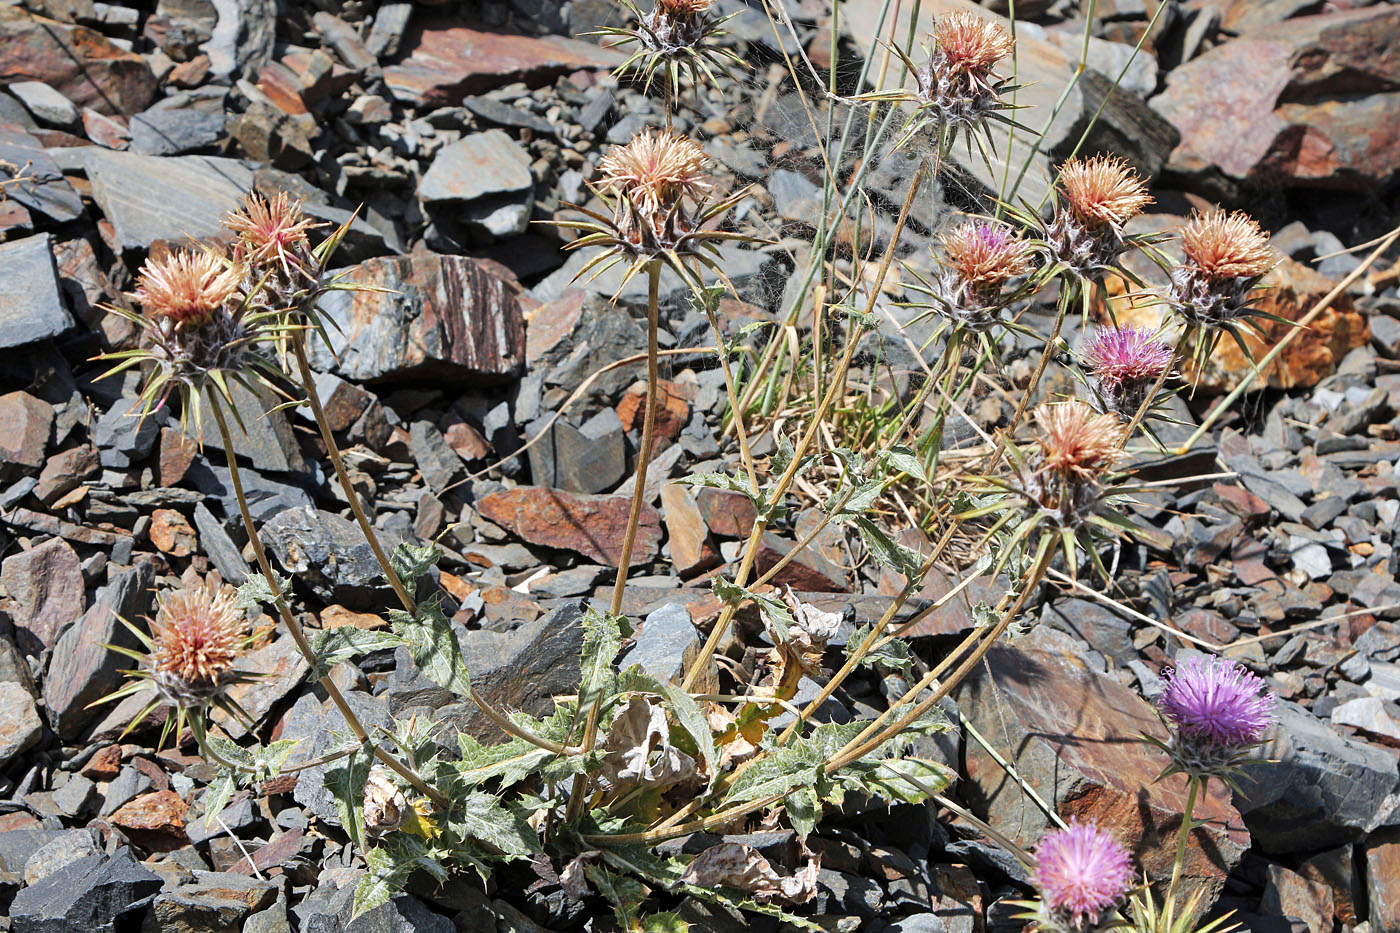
(986, 253)
(386, 807)
(971, 43)
(1074, 439)
(1218, 702)
(1125, 362)
(656, 170)
(683, 7)
(1227, 246)
(1103, 190)
(271, 229)
(197, 635)
(1081, 873)
(185, 287)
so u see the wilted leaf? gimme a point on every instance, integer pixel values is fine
(639, 750)
(385, 806)
(735, 865)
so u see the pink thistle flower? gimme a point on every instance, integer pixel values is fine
(1217, 703)
(1127, 355)
(1081, 872)
(986, 253)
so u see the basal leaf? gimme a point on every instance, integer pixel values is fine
(480, 816)
(803, 809)
(433, 645)
(346, 782)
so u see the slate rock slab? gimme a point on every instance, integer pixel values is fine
(31, 305)
(329, 554)
(44, 189)
(20, 725)
(1072, 734)
(447, 318)
(46, 589)
(93, 894)
(80, 63)
(1317, 788)
(82, 668)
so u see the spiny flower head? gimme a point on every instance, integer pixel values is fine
(656, 170)
(1103, 190)
(1217, 702)
(1081, 872)
(1125, 355)
(987, 253)
(1075, 440)
(971, 43)
(197, 633)
(270, 229)
(1227, 246)
(185, 287)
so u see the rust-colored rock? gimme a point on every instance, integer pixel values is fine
(65, 472)
(436, 318)
(177, 452)
(1383, 880)
(155, 821)
(46, 590)
(80, 63)
(466, 441)
(105, 764)
(25, 423)
(673, 409)
(1302, 103)
(692, 549)
(444, 62)
(809, 571)
(728, 514)
(337, 616)
(589, 525)
(553, 323)
(1072, 735)
(172, 533)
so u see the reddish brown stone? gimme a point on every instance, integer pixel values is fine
(25, 423)
(177, 452)
(435, 318)
(809, 570)
(191, 73)
(589, 525)
(1258, 107)
(337, 616)
(105, 764)
(728, 514)
(80, 63)
(283, 88)
(672, 413)
(692, 549)
(108, 132)
(64, 472)
(172, 533)
(46, 589)
(1242, 502)
(280, 849)
(445, 62)
(1383, 880)
(466, 441)
(1072, 735)
(155, 821)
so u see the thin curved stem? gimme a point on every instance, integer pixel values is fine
(294, 627)
(634, 515)
(1193, 786)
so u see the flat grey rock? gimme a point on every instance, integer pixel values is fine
(31, 306)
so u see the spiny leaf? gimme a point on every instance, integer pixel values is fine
(904, 561)
(433, 645)
(480, 816)
(412, 561)
(335, 645)
(602, 640)
(346, 782)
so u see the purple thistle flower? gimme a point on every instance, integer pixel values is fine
(1121, 355)
(1081, 872)
(1217, 703)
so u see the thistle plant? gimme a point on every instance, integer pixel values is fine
(1217, 713)
(195, 639)
(957, 90)
(1125, 365)
(676, 37)
(980, 257)
(1082, 874)
(1092, 201)
(1214, 287)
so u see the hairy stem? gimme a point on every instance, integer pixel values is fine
(294, 627)
(1193, 787)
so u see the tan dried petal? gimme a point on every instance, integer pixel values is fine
(1227, 245)
(197, 633)
(655, 170)
(683, 7)
(270, 229)
(185, 286)
(1074, 438)
(386, 807)
(735, 865)
(1103, 190)
(970, 42)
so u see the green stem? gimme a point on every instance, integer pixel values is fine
(1193, 785)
